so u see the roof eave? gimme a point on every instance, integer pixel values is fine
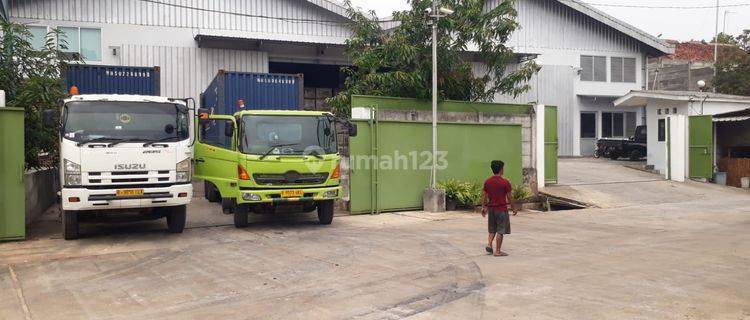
(659, 47)
(332, 6)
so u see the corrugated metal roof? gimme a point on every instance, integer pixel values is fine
(732, 119)
(657, 44)
(619, 25)
(734, 116)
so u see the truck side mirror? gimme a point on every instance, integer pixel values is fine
(228, 128)
(50, 118)
(352, 130)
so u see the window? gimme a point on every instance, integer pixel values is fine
(588, 125)
(71, 39)
(623, 69)
(662, 129)
(593, 68)
(38, 37)
(630, 124)
(618, 124)
(212, 133)
(84, 41)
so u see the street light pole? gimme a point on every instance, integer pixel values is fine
(433, 182)
(716, 44)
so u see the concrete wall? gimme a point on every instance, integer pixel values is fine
(678, 152)
(41, 192)
(678, 75)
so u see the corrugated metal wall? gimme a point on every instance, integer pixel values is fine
(553, 86)
(186, 71)
(549, 24)
(244, 15)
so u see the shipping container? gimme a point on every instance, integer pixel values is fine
(99, 79)
(230, 92)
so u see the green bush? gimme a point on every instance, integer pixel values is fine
(464, 193)
(521, 192)
(452, 188)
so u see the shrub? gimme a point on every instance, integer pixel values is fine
(452, 188)
(464, 193)
(521, 192)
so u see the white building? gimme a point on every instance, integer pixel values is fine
(588, 58)
(662, 104)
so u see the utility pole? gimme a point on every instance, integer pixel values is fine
(436, 15)
(716, 46)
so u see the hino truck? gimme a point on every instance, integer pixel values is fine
(266, 161)
(124, 157)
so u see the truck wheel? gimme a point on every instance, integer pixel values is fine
(70, 225)
(635, 155)
(210, 192)
(176, 219)
(240, 215)
(325, 211)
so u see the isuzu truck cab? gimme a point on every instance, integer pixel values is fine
(124, 156)
(266, 161)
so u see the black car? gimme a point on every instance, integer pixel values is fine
(633, 148)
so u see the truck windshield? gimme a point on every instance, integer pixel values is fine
(131, 121)
(263, 135)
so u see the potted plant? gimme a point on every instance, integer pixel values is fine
(452, 189)
(521, 195)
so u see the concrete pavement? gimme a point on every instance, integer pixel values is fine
(645, 258)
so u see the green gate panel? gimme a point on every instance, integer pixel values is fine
(550, 144)
(398, 184)
(12, 212)
(701, 145)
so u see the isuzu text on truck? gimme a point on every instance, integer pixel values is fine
(266, 161)
(124, 154)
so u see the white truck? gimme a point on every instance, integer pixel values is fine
(124, 156)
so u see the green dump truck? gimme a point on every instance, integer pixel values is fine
(266, 161)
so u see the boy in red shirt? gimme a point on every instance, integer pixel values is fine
(495, 200)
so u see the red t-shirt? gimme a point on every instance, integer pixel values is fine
(497, 188)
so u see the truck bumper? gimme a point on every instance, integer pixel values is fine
(75, 199)
(274, 195)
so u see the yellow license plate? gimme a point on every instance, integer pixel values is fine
(129, 192)
(292, 193)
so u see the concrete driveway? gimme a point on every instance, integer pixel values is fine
(681, 259)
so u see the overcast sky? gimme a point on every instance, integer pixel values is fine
(679, 24)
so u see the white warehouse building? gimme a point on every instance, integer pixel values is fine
(588, 58)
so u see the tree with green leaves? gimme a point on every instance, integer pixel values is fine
(733, 73)
(724, 38)
(733, 68)
(31, 79)
(398, 61)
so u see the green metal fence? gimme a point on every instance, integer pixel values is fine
(12, 213)
(390, 162)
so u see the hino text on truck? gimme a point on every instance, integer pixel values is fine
(270, 160)
(124, 154)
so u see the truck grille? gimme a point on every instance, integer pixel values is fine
(290, 178)
(126, 177)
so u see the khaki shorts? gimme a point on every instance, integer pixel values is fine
(498, 221)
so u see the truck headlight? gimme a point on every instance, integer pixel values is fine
(72, 173)
(331, 194)
(183, 171)
(251, 197)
